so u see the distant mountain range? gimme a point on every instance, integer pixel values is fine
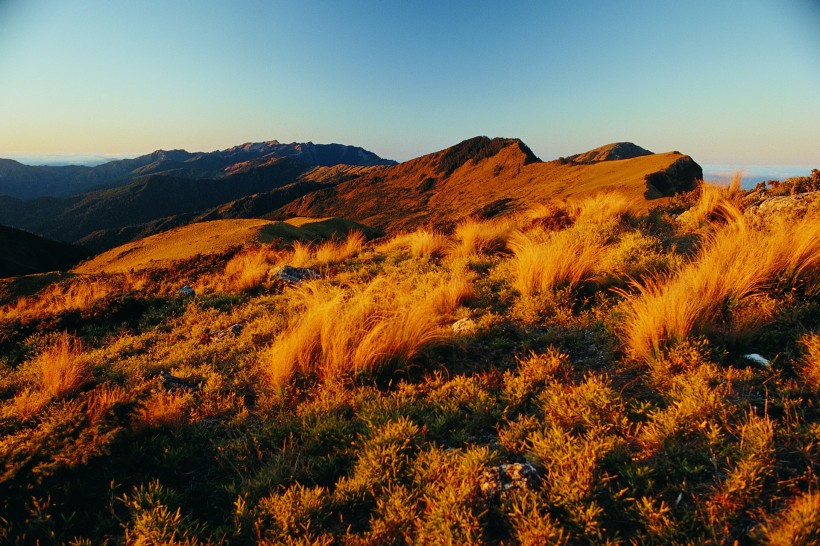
(27, 182)
(138, 197)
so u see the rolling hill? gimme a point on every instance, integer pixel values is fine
(213, 237)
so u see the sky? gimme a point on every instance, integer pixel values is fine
(729, 82)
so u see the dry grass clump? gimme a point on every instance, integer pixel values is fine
(363, 329)
(736, 267)
(544, 261)
(61, 366)
(810, 369)
(422, 243)
(60, 370)
(716, 203)
(29, 402)
(602, 209)
(329, 252)
(796, 525)
(74, 295)
(249, 268)
(477, 236)
(164, 409)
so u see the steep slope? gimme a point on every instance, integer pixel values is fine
(27, 182)
(24, 254)
(492, 175)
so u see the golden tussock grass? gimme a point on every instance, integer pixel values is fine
(249, 268)
(717, 203)
(422, 243)
(329, 252)
(476, 236)
(601, 209)
(101, 400)
(163, 409)
(736, 267)
(29, 402)
(363, 329)
(810, 369)
(62, 369)
(797, 525)
(74, 295)
(560, 259)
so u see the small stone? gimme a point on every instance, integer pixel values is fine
(295, 275)
(759, 360)
(497, 480)
(186, 291)
(464, 326)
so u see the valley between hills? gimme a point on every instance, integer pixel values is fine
(310, 344)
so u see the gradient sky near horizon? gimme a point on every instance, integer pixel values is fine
(726, 82)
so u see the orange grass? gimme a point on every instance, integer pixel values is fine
(329, 252)
(560, 259)
(421, 243)
(717, 203)
(474, 236)
(249, 269)
(736, 265)
(61, 367)
(362, 329)
(74, 295)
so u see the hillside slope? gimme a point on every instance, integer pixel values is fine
(483, 174)
(24, 254)
(213, 237)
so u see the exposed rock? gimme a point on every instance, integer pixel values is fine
(500, 479)
(231, 331)
(680, 176)
(186, 291)
(759, 360)
(786, 207)
(464, 326)
(171, 382)
(295, 275)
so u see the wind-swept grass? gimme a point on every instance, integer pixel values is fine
(736, 266)
(481, 236)
(422, 243)
(338, 332)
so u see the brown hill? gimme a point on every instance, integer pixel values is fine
(483, 176)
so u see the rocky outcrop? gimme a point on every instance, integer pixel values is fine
(680, 176)
(762, 210)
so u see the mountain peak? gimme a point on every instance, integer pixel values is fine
(477, 148)
(610, 152)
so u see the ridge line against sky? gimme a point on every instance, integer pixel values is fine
(729, 83)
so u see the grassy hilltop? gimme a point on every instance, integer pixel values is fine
(601, 346)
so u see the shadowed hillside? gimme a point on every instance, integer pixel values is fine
(24, 253)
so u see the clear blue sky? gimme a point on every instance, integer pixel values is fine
(724, 81)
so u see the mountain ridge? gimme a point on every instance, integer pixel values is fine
(28, 182)
(475, 176)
